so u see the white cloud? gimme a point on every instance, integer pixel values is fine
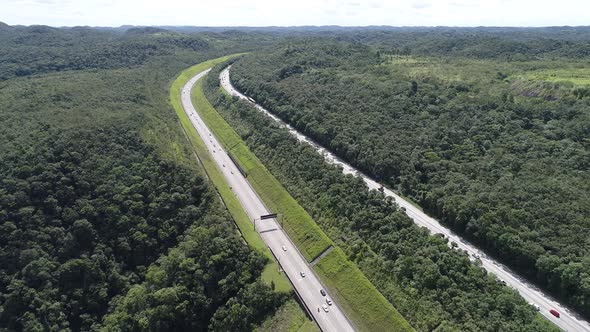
(421, 4)
(300, 12)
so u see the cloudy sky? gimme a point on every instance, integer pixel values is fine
(296, 12)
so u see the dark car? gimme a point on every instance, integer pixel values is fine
(554, 313)
(322, 292)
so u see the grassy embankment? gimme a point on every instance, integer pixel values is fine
(289, 318)
(302, 230)
(271, 271)
(572, 75)
(362, 302)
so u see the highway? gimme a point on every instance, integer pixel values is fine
(303, 278)
(569, 320)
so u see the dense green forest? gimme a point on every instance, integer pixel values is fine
(497, 149)
(107, 223)
(106, 220)
(433, 286)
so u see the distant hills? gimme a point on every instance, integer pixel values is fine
(330, 28)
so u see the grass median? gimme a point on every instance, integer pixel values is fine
(302, 230)
(361, 301)
(271, 272)
(358, 297)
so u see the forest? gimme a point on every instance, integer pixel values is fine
(107, 223)
(434, 287)
(497, 149)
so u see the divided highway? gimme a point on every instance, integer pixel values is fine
(303, 278)
(569, 320)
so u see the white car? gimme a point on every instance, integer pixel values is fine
(284, 248)
(302, 274)
(325, 307)
(329, 302)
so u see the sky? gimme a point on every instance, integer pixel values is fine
(296, 12)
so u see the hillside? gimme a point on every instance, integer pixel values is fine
(496, 148)
(106, 220)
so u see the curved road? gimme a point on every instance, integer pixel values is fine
(290, 259)
(569, 320)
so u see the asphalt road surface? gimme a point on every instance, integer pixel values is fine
(290, 259)
(569, 320)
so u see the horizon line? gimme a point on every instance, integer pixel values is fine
(299, 26)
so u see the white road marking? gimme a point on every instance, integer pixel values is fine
(569, 321)
(293, 262)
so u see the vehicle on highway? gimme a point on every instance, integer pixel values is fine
(554, 313)
(536, 306)
(302, 274)
(403, 208)
(322, 292)
(476, 255)
(325, 307)
(328, 301)
(284, 248)
(490, 264)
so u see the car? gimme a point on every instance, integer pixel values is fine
(325, 307)
(284, 248)
(404, 208)
(302, 274)
(328, 301)
(476, 255)
(322, 292)
(554, 313)
(502, 281)
(536, 306)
